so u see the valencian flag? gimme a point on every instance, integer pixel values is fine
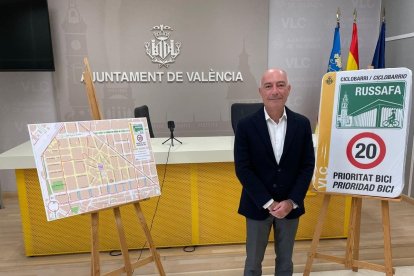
(379, 56)
(353, 59)
(335, 61)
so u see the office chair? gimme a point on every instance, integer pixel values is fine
(142, 111)
(241, 110)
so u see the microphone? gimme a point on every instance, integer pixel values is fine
(171, 125)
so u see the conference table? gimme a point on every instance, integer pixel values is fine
(198, 204)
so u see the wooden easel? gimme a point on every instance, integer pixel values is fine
(351, 259)
(128, 267)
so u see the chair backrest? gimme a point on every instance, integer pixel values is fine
(142, 111)
(241, 110)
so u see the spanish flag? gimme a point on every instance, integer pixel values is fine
(353, 59)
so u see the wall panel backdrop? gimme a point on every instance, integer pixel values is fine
(25, 97)
(215, 36)
(300, 40)
(399, 53)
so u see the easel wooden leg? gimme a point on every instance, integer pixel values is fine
(387, 237)
(354, 230)
(128, 267)
(122, 241)
(350, 239)
(95, 268)
(351, 259)
(317, 234)
(154, 252)
(357, 236)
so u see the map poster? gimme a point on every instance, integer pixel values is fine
(92, 165)
(363, 132)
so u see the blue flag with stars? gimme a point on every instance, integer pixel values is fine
(335, 61)
(379, 56)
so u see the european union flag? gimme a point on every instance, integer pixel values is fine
(335, 61)
(379, 56)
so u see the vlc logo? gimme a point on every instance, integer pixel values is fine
(162, 50)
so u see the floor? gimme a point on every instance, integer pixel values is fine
(399, 271)
(222, 260)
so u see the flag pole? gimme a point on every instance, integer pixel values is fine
(355, 15)
(338, 16)
(353, 57)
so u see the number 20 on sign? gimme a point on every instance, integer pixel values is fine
(366, 150)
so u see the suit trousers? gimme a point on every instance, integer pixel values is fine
(257, 240)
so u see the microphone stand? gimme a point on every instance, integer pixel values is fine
(172, 138)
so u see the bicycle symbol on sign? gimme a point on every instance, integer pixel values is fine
(391, 121)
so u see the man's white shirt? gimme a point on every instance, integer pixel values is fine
(277, 133)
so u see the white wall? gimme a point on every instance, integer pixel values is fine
(399, 47)
(300, 40)
(215, 35)
(25, 97)
(228, 35)
(218, 34)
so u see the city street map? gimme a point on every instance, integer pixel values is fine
(87, 166)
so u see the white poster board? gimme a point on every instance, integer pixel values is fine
(363, 132)
(92, 165)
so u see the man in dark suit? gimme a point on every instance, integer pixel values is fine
(274, 159)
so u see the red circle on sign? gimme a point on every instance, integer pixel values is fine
(367, 165)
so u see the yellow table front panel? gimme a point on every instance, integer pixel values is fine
(198, 206)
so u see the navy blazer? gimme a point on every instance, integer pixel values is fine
(261, 176)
